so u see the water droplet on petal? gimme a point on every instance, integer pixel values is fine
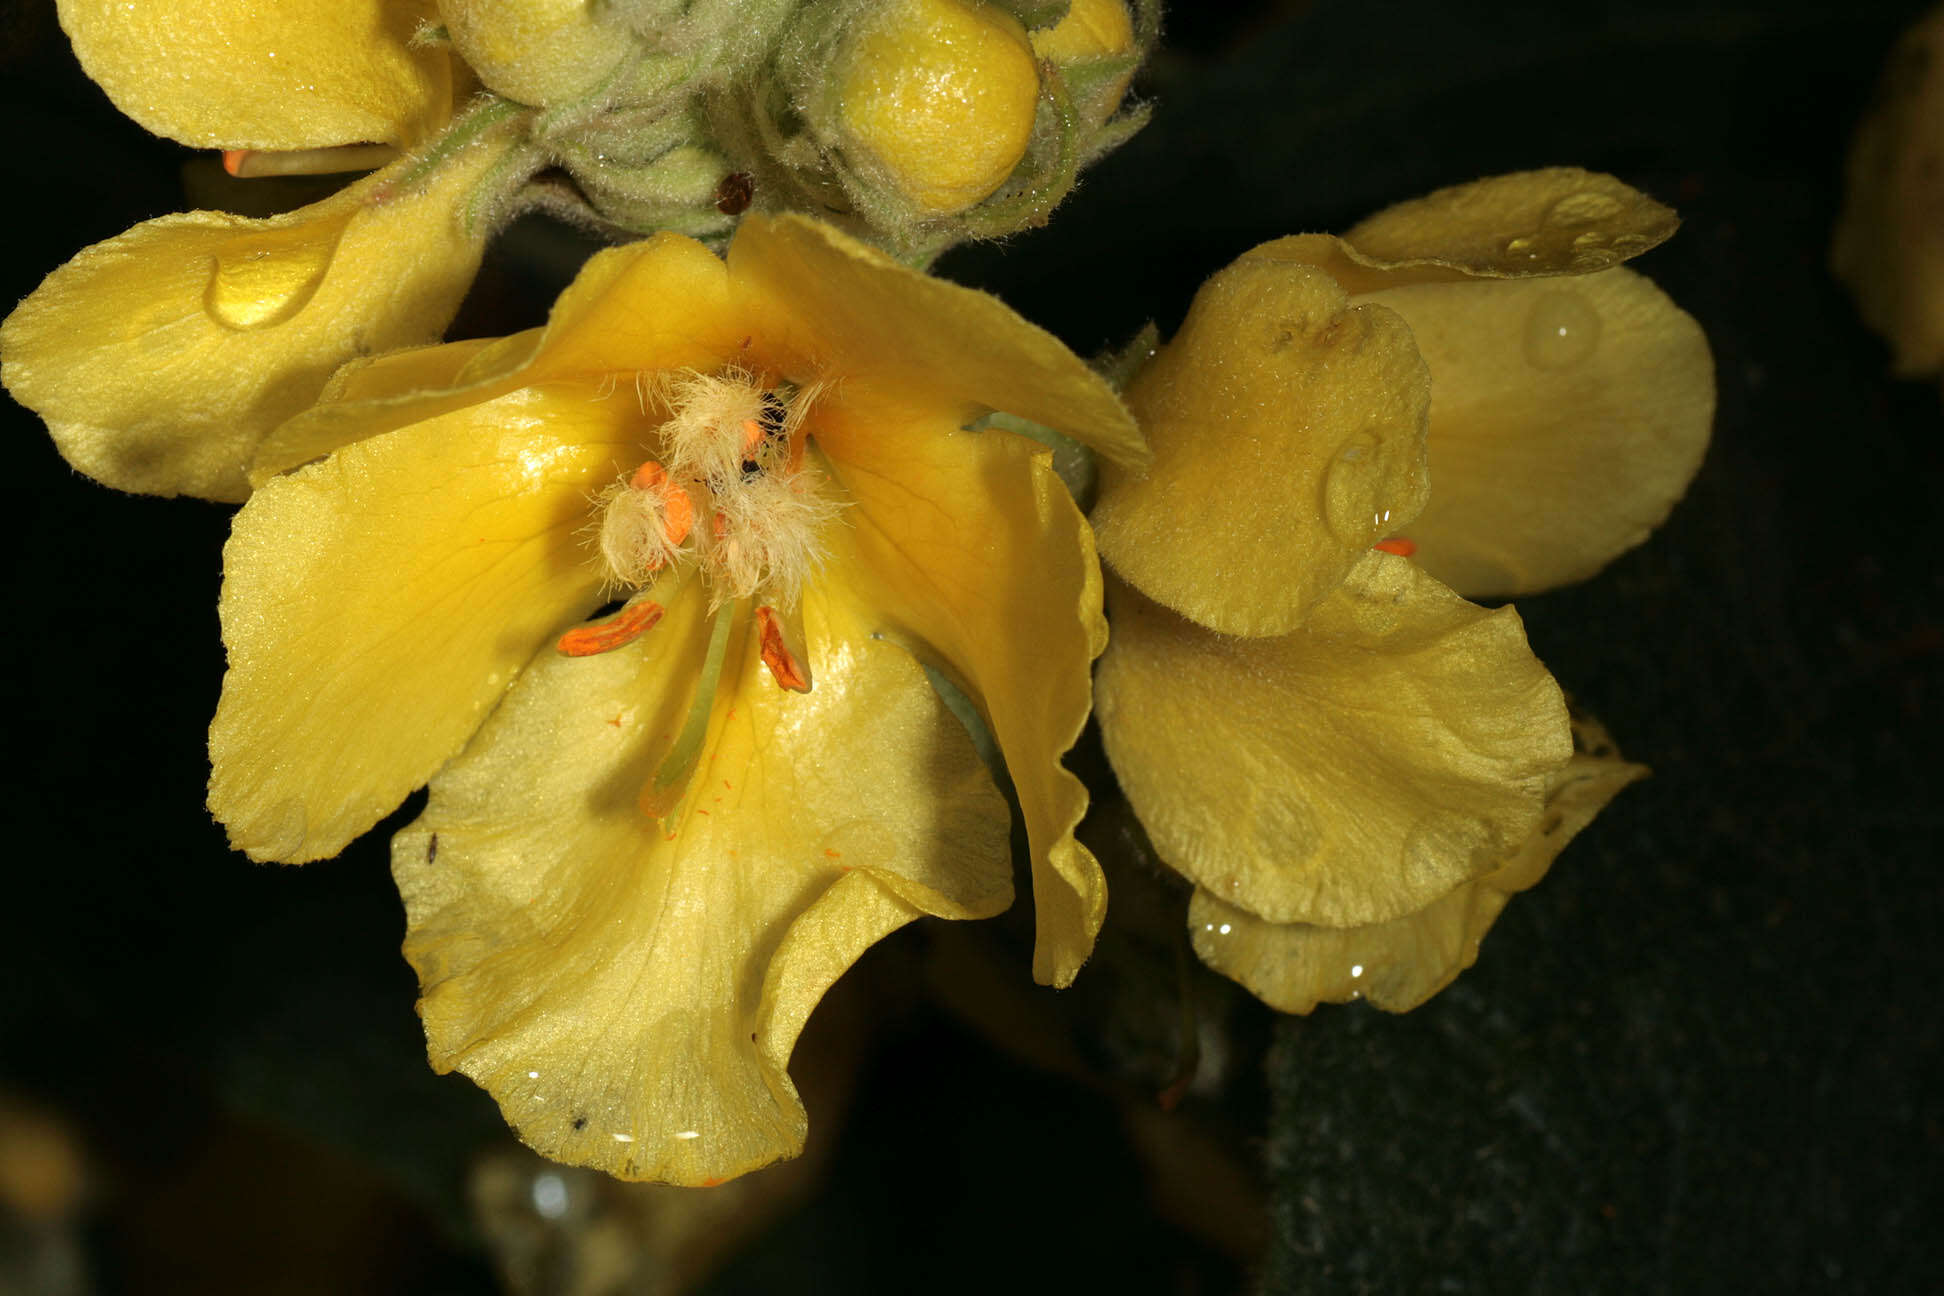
(255, 287)
(1351, 507)
(1561, 330)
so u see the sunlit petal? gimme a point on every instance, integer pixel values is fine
(858, 313)
(1288, 433)
(160, 358)
(970, 549)
(297, 74)
(1568, 416)
(1352, 772)
(377, 604)
(1399, 964)
(630, 989)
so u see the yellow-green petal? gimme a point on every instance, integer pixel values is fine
(1568, 416)
(1350, 773)
(970, 549)
(661, 305)
(1889, 242)
(161, 358)
(629, 989)
(295, 74)
(860, 314)
(1288, 433)
(1560, 220)
(1399, 964)
(375, 606)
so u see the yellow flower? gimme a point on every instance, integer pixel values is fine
(160, 357)
(939, 97)
(1889, 242)
(648, 851)
(1354, 765)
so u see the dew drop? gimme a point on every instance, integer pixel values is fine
(1351, 505)
(256, 287)
(1561, 330)
(1587, 207)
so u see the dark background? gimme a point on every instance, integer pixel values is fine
(1704, 1053)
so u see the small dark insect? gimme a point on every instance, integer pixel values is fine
(733, 193)
(580, 1122)
(432, 849)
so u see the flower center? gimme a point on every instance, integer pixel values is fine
(732, 453)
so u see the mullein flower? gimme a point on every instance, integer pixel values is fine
(1463, 396)
(656, 837)
(1888, 247)
(160, 357)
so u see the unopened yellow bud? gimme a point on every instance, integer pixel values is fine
(939, 95)
(536, 52)
(1092, 29)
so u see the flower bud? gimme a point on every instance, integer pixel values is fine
(1096, 36)
(538, 52)
(937, 97)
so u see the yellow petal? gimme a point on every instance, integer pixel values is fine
(376, 605)
(1288, 435)
(1397, 965)
(971, 549)
(1889, 244)
(236, 74)
(1560, 220)
(161, 358)
(1567, 418)
(660, 305)
(629, 989)
(1352, 772)
(856, 312)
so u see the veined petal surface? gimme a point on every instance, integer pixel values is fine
(162, 357)
(970, 549)
(1349, 773)
(1568, 416)
(1558, 220)
(295, 74)
(658, 306)
(857, 312)
(629, 989)
(1288, 430)
(376, 605)
(1399, 964)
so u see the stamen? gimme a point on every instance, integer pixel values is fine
(609, 633)
(788, 666)
(671, 778)
(1398, 545)
(252, 164)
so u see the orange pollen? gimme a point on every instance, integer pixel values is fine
(752, 438)
(678, 510)
(233, 160)
(617, 631)
(1396, 545)
(783, 665)
(721, 525)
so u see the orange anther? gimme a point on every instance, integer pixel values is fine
(1396, 545)
(650, 476)
(617, 631)
(783, 665)
(720, 525)
(752, 438)
(678, 514)
(233, 160)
